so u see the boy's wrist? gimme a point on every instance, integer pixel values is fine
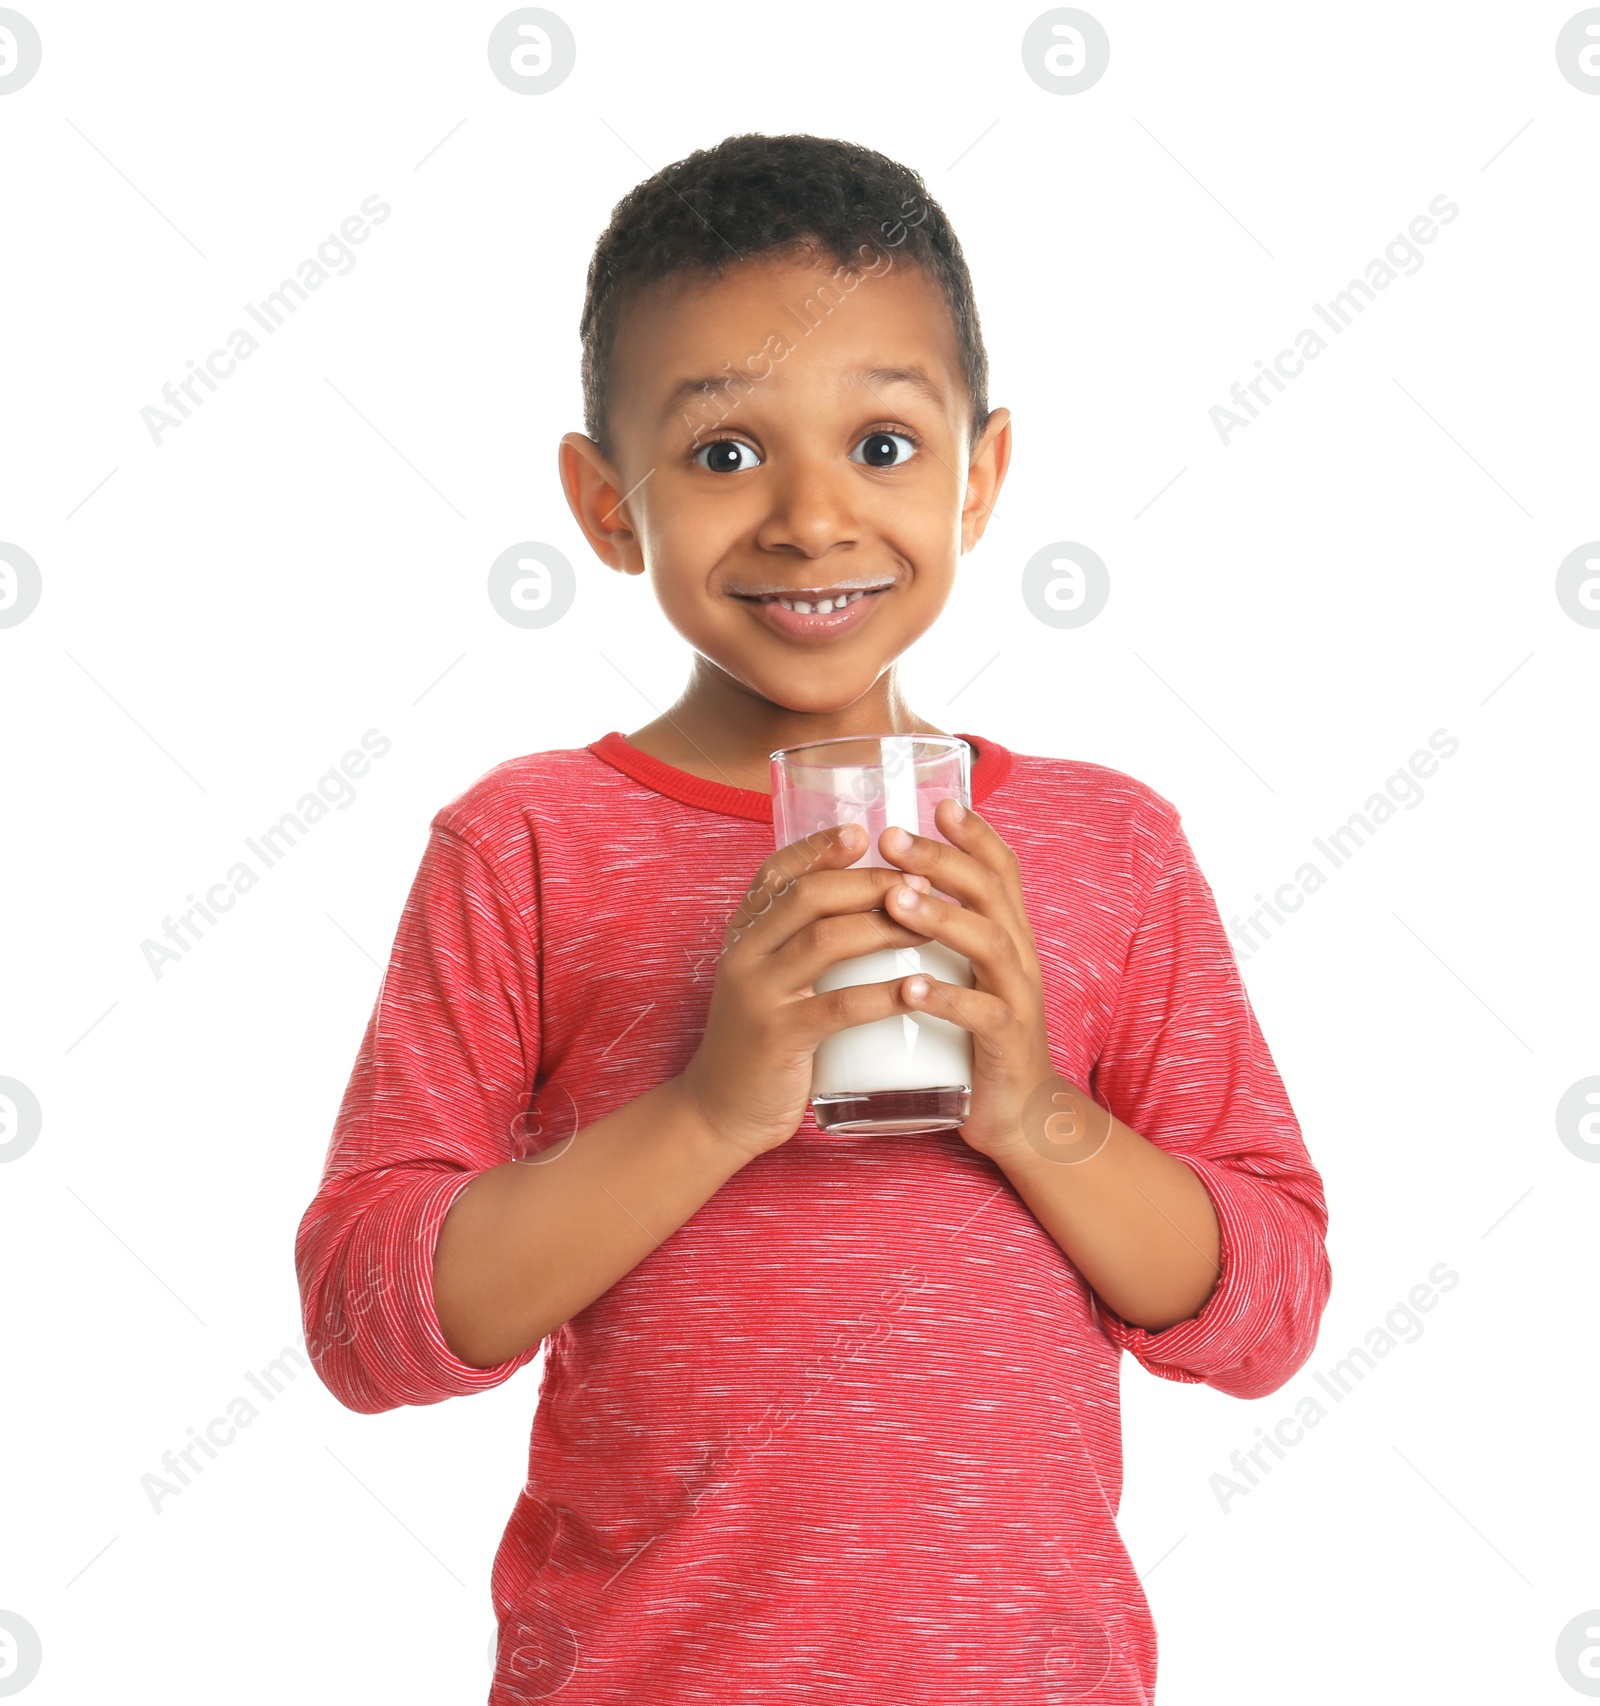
(697, 1131)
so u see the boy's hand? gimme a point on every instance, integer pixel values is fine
(1005, 1009)
(750, 1079)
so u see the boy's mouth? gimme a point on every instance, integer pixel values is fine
(821, 613)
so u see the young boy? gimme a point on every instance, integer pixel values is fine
(822, 1417)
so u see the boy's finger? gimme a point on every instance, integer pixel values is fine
(987, 944)
(772, 914)
(839, 842)
(823, 850)
(795, 965)
(976, 1010)
(979, 837)
(818, 1017)
(978, 868)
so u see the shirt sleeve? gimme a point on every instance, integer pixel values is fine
(1186, 1066)
(444, 1071)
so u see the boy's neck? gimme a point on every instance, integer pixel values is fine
(723, 733)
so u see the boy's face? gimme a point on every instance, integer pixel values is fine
(804, 466)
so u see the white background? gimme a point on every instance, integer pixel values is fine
(225, 614)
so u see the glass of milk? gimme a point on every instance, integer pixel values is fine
(911, 1071)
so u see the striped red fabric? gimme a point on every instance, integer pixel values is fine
(852, 1432)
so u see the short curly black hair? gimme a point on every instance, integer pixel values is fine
(753, 195)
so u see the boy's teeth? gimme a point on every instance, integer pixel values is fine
(824, 606)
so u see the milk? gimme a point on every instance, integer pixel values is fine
(905, 1051)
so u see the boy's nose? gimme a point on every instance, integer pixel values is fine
(810, 511)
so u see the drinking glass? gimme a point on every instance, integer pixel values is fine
(910, 1071)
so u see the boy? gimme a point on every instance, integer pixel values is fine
(822, 1418)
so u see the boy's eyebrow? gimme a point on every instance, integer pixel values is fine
(915, 377)
(870, 377)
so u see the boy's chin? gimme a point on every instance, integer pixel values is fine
(808, 689)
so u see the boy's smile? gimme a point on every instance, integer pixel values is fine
(791, 467)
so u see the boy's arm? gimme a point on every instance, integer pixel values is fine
(1185, 1066)
(444, 1071)
(527, 1245)
(433, 1259)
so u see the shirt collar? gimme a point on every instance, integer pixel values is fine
(991, 764)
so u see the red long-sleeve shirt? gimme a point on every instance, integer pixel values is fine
(852, 1432)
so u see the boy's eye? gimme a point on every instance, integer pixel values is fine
(722, 456)
(880, 450)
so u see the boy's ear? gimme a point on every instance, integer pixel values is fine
(986, 472)
(594, 495)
